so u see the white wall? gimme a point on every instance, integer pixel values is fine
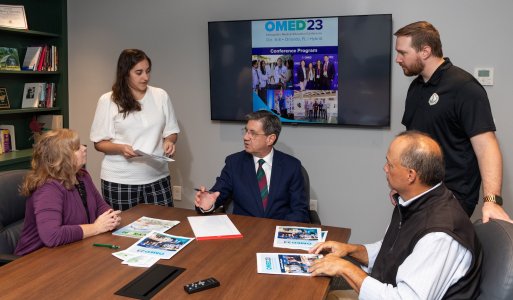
(345, 164)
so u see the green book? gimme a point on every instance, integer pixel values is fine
(9, 59)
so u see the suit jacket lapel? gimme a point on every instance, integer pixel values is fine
(276, 176)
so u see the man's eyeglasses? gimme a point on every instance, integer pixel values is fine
(251, 133)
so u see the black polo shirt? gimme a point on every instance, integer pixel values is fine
(452, 107)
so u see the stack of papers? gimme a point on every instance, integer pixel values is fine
(293, 237)
(153, 156)
(144, 225)
(285, 263)
(213, 227)
(154, 246)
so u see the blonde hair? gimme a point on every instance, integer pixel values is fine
(53, 158)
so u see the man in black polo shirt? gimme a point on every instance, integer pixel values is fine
(449, 104)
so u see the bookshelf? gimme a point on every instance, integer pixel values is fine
(47, 23)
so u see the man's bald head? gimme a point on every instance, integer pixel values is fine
(418, 151)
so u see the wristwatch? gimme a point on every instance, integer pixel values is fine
(494, 199)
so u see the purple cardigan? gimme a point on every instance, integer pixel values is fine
(53, 215)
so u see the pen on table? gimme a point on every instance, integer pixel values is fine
(199, 190)
(106, 246)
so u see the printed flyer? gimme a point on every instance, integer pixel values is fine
(285, 263)
(293, 237)
(158, 244)
(144, 225)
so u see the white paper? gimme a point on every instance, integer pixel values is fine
(285, 263)
(136, 260)
(293, 237)
(157, 157)
(213, 227)
(141, 261)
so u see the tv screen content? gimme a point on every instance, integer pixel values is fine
(321, 71)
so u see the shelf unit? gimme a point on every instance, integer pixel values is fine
(47, 21)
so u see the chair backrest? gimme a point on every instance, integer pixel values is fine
(12, 209)
(314, 216)
(306, 180)
(496, 238)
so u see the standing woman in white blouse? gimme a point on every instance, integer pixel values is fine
(134, 116)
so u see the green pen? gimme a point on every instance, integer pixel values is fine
(107, 246)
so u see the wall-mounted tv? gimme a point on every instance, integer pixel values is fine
(316, 70)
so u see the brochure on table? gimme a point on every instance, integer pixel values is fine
(285, 263)
(144, 225)
(213, 227)
(293, 237)
(160, 245)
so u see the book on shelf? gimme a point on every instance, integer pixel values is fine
(31, 95)
(50, 122)
(40, 58)
(5, 141)
(47, 59)
(31, 60)
(55, 59)
(50, 96)
(38, 95)
(4, 99)
(12, 135)
(9, 59)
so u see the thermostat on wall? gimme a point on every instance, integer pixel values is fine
(484, 75)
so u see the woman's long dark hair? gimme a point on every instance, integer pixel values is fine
(121, 93)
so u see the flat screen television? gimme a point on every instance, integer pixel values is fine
(318, 70)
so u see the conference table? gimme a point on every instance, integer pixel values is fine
(81, 271)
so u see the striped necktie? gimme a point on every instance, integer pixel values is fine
(262, 183)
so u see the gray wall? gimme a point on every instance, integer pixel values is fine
(345, 164)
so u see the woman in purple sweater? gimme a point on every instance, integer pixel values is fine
(63, 205)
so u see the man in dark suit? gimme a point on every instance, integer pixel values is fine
(328, 73)
(262, 182)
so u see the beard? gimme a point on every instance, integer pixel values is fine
(415, 69)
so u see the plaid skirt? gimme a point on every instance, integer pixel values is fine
(125, 196)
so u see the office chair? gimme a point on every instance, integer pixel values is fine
(314, 216)
(12, 213)
(496, 238)
(227, 207)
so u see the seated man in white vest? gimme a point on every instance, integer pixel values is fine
(430, 249)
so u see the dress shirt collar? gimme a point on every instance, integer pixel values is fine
(407, 203)
(268, 158)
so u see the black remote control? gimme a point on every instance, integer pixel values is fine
(201, 285)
